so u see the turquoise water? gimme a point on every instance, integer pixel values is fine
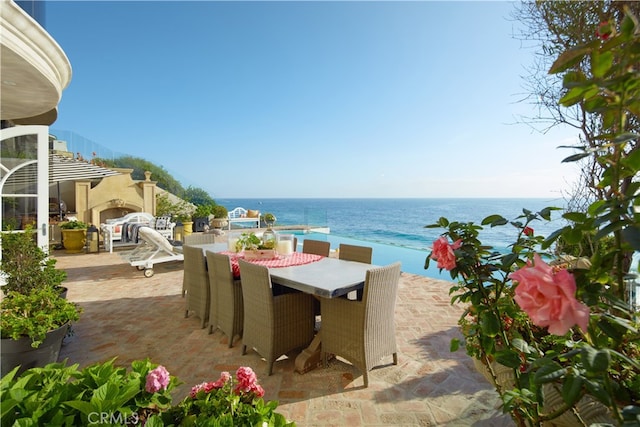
(395, 227)
(412, 259)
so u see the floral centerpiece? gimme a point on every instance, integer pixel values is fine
(254, 247)
(553, 331)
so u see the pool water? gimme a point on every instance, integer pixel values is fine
(412, 259)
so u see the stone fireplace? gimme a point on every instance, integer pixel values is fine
(114, 197)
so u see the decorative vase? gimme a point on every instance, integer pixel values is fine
(269, 238)
(74, 240)
(19, 352)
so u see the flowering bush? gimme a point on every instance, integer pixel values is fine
(561, 322)
(104, 394)
(228, 402)
(523, 313)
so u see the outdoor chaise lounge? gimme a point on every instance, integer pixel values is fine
(124, 230)
(153, 249)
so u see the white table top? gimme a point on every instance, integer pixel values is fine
(328, 278)
(212, 247)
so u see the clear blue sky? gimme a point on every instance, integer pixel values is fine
(311, 99)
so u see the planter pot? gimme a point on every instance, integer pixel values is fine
(590, 410)
(260, 254)
(187, 228)
(199, 224)
(20, 352)
(504, 375)
(219, 222)
(74, 240)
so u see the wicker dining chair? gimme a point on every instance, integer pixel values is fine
(355, 253)
(200, 238)
(229, 312)
(317, 247)
(273, 325)
(363, 332)
(195, 284)
(358, 254)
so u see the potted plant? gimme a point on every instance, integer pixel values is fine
(555, 332)
(201, 217)
(35, 317)
(220, 216)
(254, 247)
(74, 235)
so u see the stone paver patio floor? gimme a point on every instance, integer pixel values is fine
(133, 317)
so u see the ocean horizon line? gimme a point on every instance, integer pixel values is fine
(389, 198)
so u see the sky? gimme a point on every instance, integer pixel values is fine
(311, 99)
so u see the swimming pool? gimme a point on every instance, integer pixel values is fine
(412, 259)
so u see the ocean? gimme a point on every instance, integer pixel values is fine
(396, 227)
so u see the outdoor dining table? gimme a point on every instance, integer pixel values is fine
(323, 278)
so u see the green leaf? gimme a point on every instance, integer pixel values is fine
(545, 213)
(570, 58)
(489, 323)
(508, 358)
(572, 389)
(575, 157)
(632, 161)
(521, 345)
(454, 345)
(595, 361)
(601, 63)
(154, 421)
(84, 407)
(553, 237)
(572, 236)
(549, 372)
(575, 216)
(427, 261)
(508, 260)
(577, 94)
(494, 220)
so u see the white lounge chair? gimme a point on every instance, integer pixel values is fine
(154, 249)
